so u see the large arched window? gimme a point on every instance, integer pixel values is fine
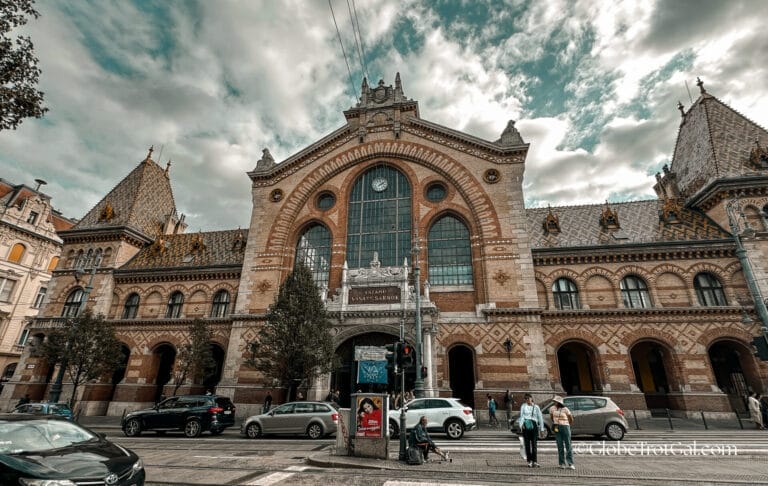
(449, 255)
(709, 290)
(72, 303)
(314, 251)
(220, 304)
(565, 294)
(175, 303)
(379, 218)
(634, 292)
(131, 308)
(17, 252)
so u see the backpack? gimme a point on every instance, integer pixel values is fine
(413, 456)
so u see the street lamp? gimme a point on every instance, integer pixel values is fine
(55, 392)
(419, 384)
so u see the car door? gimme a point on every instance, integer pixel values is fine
(437, 412)
(573, 405)
(160, 416)
(593, 414)
(302, 414)
(278, 419)
(415, 409)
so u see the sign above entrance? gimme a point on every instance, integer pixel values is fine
(370, 353)
(374, 295)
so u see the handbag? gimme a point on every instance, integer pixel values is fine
(528, 424)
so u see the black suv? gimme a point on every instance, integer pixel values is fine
(193, 414)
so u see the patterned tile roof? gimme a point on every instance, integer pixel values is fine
(639, 223)
(714, 142)
(192, 250)
(143, 200)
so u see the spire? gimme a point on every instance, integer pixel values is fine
(510, 136)
(398, 84)
(681, 108)
(700, 84)
(149, 154)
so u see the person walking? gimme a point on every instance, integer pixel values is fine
(509, 403)
(423, 441)
(492, 420)
(267, 402)
(754, 410)
(531, 425)
(561, 426)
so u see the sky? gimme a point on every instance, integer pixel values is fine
(593, 86)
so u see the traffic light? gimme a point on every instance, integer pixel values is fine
(761, 345)
(393, 356)
(407, 357)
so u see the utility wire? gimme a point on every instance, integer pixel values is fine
(349, 71)
(358, 37)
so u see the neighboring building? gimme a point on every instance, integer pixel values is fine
(644, 301)
(29, 251)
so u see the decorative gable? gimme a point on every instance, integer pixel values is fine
(609, 218)
(551, 223)
(758, 156)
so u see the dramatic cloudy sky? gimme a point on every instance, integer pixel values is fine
(593, 85)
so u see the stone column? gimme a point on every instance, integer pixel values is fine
(429, 389)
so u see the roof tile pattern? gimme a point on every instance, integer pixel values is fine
(218, 248)
(143, 200)
(639, 224)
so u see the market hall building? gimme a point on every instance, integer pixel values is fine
(646, 302)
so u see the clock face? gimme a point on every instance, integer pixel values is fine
(379, 184)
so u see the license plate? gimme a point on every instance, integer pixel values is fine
(227, 412)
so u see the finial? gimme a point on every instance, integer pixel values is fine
(398, 84)
(381, 82)
(365, 82)
(149, 154)
(167, 166)
(700, 84)
(681, 108)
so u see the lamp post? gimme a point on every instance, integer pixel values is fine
(55, 393)
(741, 253)
(419, 384)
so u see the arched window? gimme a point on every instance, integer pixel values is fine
(379, 218)
(131, 308)
(314, 251)
(8, 372)
(17, 252)
(448, 252)
(72, 304)
(634, 292)
(565, 294)
(220, 304)
(709, 290)
(175, 302)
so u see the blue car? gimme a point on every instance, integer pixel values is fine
(46, 408)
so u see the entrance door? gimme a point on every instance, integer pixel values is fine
(461, 363)
(577, 363)
(734, 370)
(648, 361)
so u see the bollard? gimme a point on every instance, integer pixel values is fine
(669, 417)
(634, 414)
(703, 419)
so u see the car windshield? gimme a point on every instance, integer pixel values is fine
(17, 436)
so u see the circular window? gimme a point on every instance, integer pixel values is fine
(325, 201)
(276, 195)
(436, 192)
(492, 176)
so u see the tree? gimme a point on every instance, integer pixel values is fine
(195, 358)
(86, 346)
(19, 73)
(295, 342)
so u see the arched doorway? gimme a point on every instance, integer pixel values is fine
(650, 362)
(578, 368)
(164, 356)
(344, 378)
(213, 376)
(461, 366)
(119, 373)
(734, 370)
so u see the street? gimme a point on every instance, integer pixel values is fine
(482, 457)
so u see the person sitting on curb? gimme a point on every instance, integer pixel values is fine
(423, 441)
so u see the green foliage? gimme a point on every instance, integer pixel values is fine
(295, 342)
(195, 358)
(87, 347)
(19, 73)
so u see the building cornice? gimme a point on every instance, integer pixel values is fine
(634, 253)
(160, 274)
(729, 188)
(95, 235)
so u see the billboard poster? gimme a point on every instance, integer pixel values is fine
(370, 415)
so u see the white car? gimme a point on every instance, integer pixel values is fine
(444, 415)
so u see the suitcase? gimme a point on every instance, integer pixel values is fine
(413, 456)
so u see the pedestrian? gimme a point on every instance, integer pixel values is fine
(509, 404)
(531, 425)
(754, 410)
(23, 400)
(408, 396)
(299, 396)
(336, 396)
(492, 420)
(329, 396)
(423, 441)
(562, 418)
(267, 402)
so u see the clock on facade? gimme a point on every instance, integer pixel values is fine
(379, 184)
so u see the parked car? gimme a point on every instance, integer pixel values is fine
(446, 415)
(193, 414)
(314, 419)
(593, 415)
(46, 408)
(48, 449)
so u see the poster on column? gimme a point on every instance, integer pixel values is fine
(369, 416)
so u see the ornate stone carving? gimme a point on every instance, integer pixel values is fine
(501, 277)
(264, 286)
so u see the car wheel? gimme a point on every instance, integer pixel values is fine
(132, 428)
(454, 429)
(193, 428)
(614, 431)
(253, 431)
(315, 431)
(394, 430)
